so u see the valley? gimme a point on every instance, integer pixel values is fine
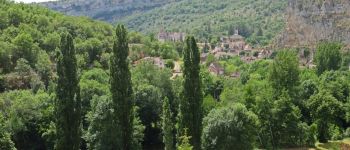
(175, 75)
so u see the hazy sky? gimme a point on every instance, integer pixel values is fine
(29, 1)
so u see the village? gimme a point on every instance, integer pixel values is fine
(232, 46)
(228, 47)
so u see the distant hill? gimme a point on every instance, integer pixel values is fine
(106, 10)
(259, 21)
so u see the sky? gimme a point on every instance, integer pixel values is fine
(30, 1)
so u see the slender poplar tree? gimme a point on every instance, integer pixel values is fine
(190, 116)
(68, 104)
(167, 126)
(121, 90)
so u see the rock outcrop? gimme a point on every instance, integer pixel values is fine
(312, 21)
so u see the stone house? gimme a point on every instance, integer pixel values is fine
(235, 75)
(157, 61)
(216, 69)
(264, 54)
(248, 59)
(234, 42)
(204, 57)
(171, 36)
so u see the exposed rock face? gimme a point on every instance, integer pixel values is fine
(311, 21)
(106, 10)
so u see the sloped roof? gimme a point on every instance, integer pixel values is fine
(236, 36)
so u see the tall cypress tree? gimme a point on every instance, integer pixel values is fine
(167, 126)
(121, 90)
(190, 116)
(68, 102)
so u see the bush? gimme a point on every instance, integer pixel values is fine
(185, 142)
(347, 133)
(335, 132)
(170, 64)
(242, 53)
(256, 54)
(328, 57)
(232, 127)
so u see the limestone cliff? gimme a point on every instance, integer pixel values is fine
(311, 21)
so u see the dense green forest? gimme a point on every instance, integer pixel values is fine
(257, 20)
(72, 83)
(105, 10)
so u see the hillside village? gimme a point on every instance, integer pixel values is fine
(228, 47)
(216, 77)
(231, 46)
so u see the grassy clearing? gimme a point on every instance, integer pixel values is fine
(332, 145)
(346, 141)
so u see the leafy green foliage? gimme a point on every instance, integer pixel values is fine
(25, 47)
(294, 107)
(347, 115)
(137, 131)
(232, 127)
(335, 83)
(167, 126)
(345, 64)
(328, 57)
(151, 85)
(93, 83)
(184, 143)
(100, 118)
(99, 134)
(170, 64)
(209, 103)
(324, 109)
(5, 138)
(149, 100)
(92, 47)
(210, 59)
(258, 21)
(5, 58)
(44, 67)
(212, 87)
(284, 72)
(26, 119)
(27, 54)
(287, 128)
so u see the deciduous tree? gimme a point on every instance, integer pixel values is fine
(328, 57)
(190, 116)
(324, 109)
(232, 127)
(68, 102)
(284, 72)
(167, 126)
(121, 91)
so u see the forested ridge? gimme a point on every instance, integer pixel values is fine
(259, 21)
(106, 10)
(75, 83)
